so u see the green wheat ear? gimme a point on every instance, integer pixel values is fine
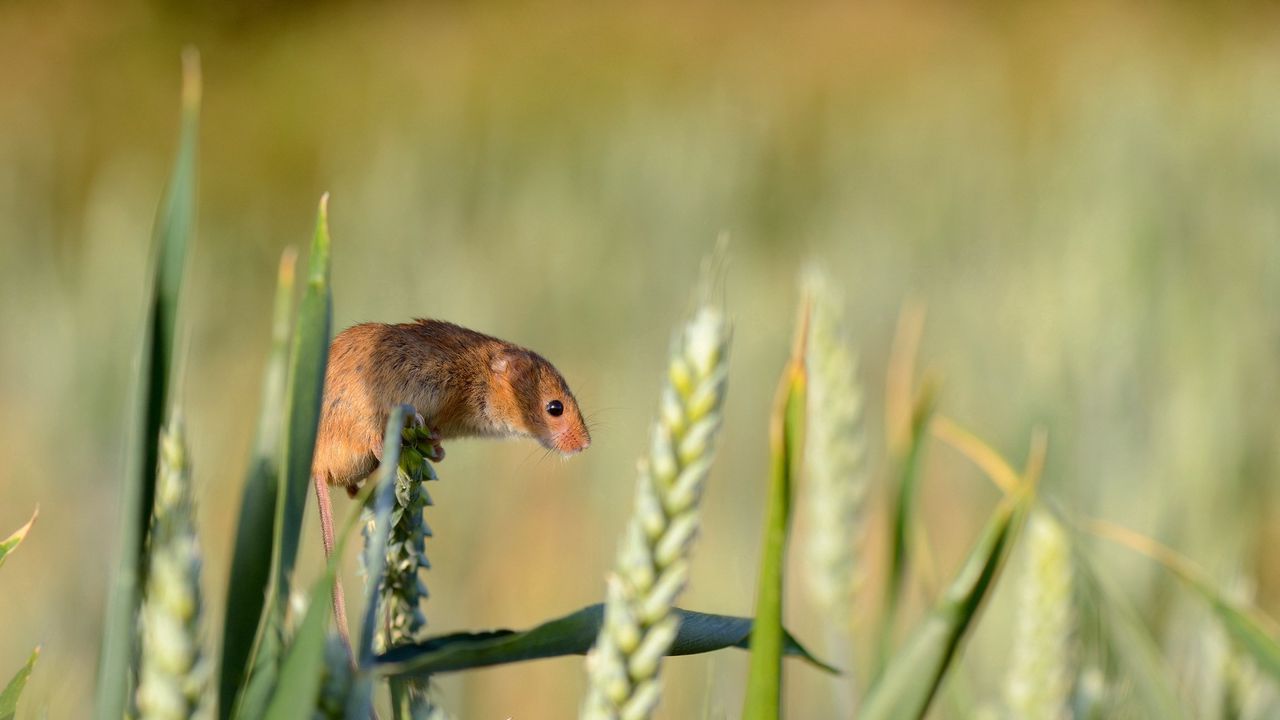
(400, 617)
(1039, 685)
(403, 591)
(174, 673)
(836, 479)
(653, 560)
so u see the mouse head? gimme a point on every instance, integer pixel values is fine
(530, 398)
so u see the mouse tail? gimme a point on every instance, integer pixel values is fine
(326, 531)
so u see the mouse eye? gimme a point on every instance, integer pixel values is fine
(555, 407)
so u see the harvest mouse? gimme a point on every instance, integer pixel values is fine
(460, 382)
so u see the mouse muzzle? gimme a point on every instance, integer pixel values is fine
(570, 441)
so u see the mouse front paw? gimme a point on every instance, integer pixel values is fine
(436, 453)
(426, 439)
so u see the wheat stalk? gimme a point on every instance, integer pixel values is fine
(403, 591)
(836, 479)
(653, 560)
(173, 674)
(1041, 674)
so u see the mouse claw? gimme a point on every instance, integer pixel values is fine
(437, 450)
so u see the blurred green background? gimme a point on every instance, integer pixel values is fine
(1086, 197)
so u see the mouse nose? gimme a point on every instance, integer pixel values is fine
(572, 443)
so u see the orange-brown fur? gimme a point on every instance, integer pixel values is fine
(463, 383)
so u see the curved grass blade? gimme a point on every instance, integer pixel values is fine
(1253, 631)
(360, 701)
(9, 696)
(170, 242)
(250, 565)
(308, 358)
(978, 452)
(915, 672)
(572, 634)
(786, 427)
(12, 542)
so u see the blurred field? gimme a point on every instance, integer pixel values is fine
(1087, 199)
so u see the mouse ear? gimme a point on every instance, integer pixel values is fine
(499, 363)
(507, 363)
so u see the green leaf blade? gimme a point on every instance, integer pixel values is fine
(572, 634)
(904, 501)
(301, 673)
(294, 694)
(308, 361)
(251, 564)
(913, 675)
(308, 358)
(11, 543)
(170, 244)
(764, 682)
(1247, 629)
(13, 690)
(1253, 631)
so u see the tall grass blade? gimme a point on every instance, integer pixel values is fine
(11, 543)
(307, 362)
(912, 677)
(170, 242)
(360, 700)
(13, 690)
(908, 413)
(301, 673)
(786, 427)
(903, 516)
(308, 357)
(250, 565)
(1256, 634)
(573, 634)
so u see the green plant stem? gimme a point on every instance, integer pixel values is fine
(764, 682)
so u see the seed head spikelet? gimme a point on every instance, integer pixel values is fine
(402, 592)
(836, 479)
(653, 561)
(173, 674)
(1043, 666)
